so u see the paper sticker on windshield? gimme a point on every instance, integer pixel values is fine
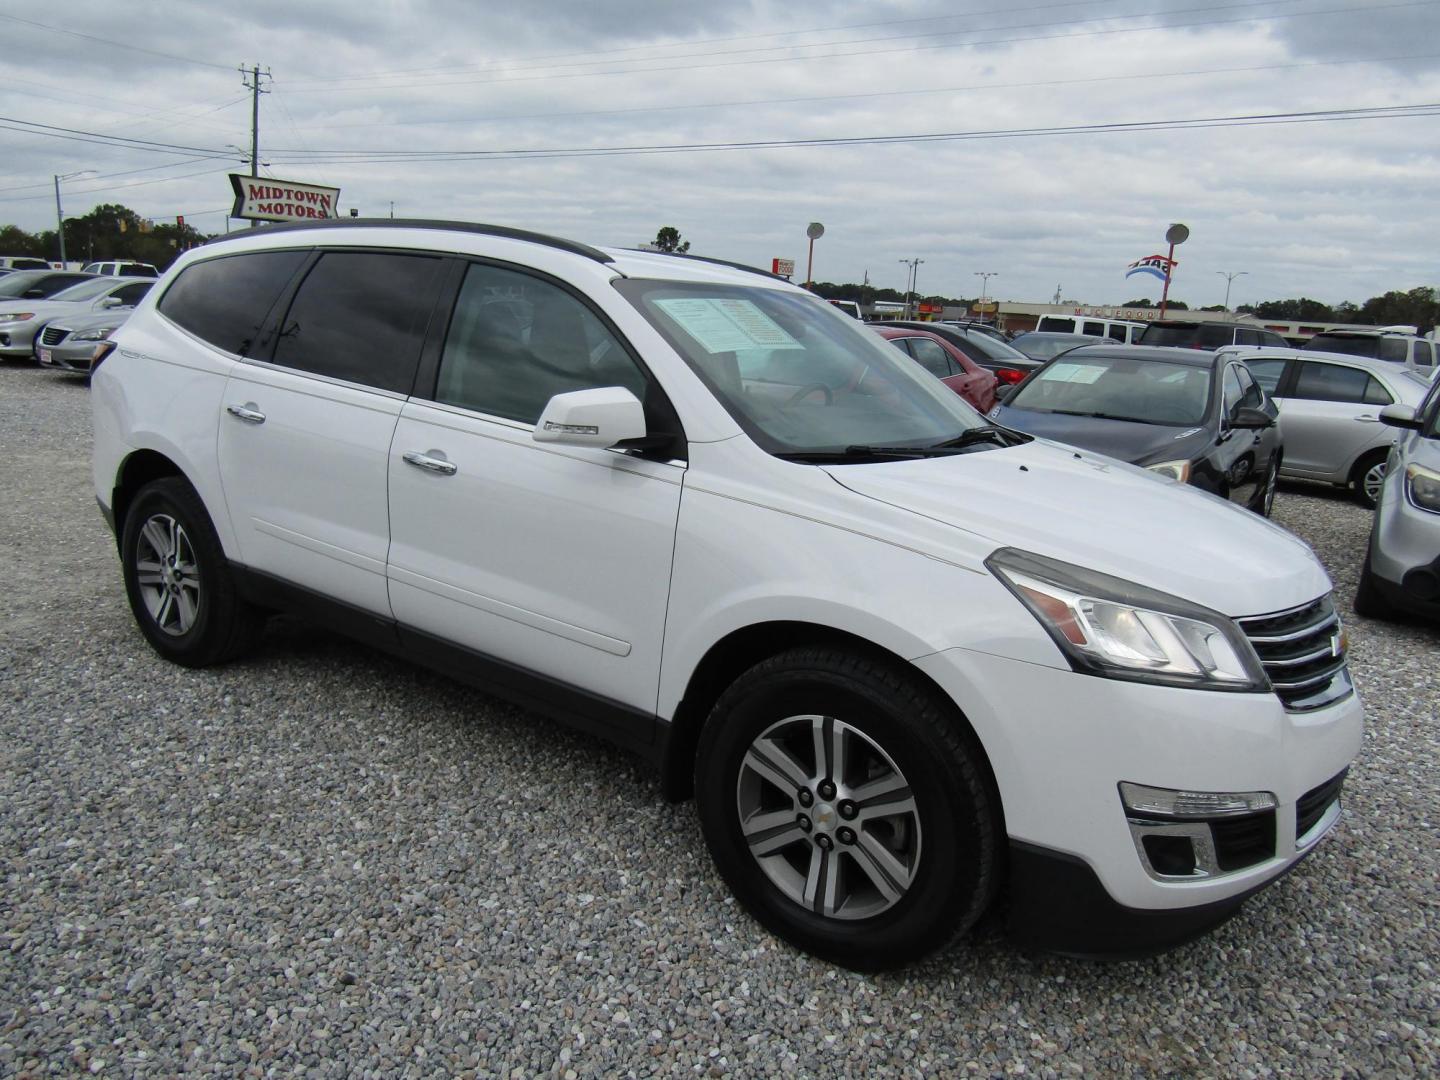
(1076, 373)
(728, 325)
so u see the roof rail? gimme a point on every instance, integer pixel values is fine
(572, 246)
(717, 262)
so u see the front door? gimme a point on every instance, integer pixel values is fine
(551, 559)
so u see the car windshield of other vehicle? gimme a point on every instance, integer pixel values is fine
(1119, 388)
(994, 348)
(1359, 345)
(86, 290)
(800, 377)
(18, 283)
(1044, 348)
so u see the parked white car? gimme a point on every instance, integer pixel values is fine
(1330, 407)
(903, 658)
(1121, 330)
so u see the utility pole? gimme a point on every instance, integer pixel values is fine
(1228, 279)
(911, 280)
(984, 276)
(251, 81)
(59, 214)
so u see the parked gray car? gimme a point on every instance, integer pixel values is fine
(1401, 572)
(21, 320)
(1330, 411)
(74, 343)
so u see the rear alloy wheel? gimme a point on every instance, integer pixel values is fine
(178, 581)
(1368, 477)
(848, 807)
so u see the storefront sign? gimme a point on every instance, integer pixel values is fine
(262, 198)
(783, 267)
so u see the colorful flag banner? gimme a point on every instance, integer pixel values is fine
(1158, 265)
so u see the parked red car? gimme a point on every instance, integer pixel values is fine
(946, 362)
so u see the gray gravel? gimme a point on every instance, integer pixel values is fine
(320, 861)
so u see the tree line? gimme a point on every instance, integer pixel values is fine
(107, 232)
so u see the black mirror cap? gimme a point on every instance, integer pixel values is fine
(1248, 419)
(1400, 418)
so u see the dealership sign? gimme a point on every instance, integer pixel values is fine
(262, 198)
(783, 267)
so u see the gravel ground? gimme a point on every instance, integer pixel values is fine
(322, 861)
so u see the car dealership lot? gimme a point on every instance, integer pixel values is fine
(326, 858)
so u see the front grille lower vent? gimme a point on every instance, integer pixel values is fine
(1312, 805)
(1303, 652)
(53, 335)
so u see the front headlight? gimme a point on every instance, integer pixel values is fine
(16, 316)
(1116, 629)
(102, 334)
(1422, 486)
(1175, 470)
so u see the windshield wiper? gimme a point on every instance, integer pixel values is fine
(861, 453)
(1113, 416)
(985, 433)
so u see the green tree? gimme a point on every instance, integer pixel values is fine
(668, 239)
(1146, 302)
(16, 241)
(1418, 307)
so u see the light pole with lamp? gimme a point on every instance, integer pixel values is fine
(984, 276)
(911, 280)
(59, 214)
(1228, 279)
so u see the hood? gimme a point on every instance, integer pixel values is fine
(88, 320)
(1103, 514)
(43, 307)
(1123, 439)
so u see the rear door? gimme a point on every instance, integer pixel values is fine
(1330, 414)
(305, 438)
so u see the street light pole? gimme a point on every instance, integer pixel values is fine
(1228, 279)
(984, 276)
(912, 278)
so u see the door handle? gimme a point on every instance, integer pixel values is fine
(1366, 418)
(246, 412)
(429, 462)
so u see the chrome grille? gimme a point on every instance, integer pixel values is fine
(53, 335)
(1303, 652)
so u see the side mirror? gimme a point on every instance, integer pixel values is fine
(112, 302)
(599, 418)
(1248, 419)
(34, 294)
(1401, 416)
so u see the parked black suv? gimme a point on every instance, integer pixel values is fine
(1193, 334)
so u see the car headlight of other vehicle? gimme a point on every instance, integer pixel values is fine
(1422, 486)
(1116, 629)
(16, 316)
(1175, 470)
(101, 334)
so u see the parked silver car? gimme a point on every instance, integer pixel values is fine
(22, 320)
(77, 343)
(1401, 572)
(1330, 411)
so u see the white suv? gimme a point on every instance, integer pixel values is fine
(902, 658)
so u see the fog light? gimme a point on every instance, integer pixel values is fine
(1191, 805)
(1171, 856)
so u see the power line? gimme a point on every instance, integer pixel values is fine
(974, 87)
(125, 187)
(116, 44)
(122, 141)
(1247, 120)
(1027, 39)
(106, 176)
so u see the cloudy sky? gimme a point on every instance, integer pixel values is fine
(545, 115)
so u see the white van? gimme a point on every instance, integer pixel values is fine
(1122, 330)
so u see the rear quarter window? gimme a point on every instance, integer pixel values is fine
(226, 301)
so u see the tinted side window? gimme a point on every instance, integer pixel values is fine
(931, 356)
(1269, 337)
(1424, 354)
(1094, 329)
(1056, 323)
(1331, 382)
(1375, 394)
(1212, 337)
(516, 341)
(225, 301)
(1234, 392)
(131, 295)
(1267, 372)
(1115, 331)
(1395, 349)
(1252, 398)
(360, 316)
(1248, 337)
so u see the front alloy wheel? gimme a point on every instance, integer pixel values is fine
(829, 817)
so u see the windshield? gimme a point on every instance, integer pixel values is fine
(1043, 348)
(1119, 388)
(86, 290)
(16, 283)
(1345, 343)
(994, 348)
(796, 374)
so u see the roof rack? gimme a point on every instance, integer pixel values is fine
(717, 262)
(572, 246)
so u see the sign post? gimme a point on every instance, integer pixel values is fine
(783, 267)
(1176, 234)
(262, 198)
(814, 232)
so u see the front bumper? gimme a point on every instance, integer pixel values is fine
(1061, 743)
(68, 356)
(1405, 550)
(17, 340)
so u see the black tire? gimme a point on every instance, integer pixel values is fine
(1264, 502)
(221, 626)
(957, 830)
(1357, 476)
(1369, 600)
